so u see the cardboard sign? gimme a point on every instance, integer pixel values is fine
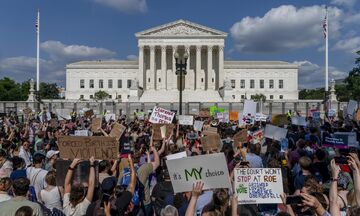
(276, 133)
(258, 137)
(258, 185)
(161, 116)
(210, 130)
(240, 137)
(186, 119)
(249, 108)
(96, 124)
(176, 156)
(198, 125)
(81, 133)
(298, 120)
(234, 116)
(279, 120)
(211, 142)
(109, 117)
(336, 141)
(157, 131)
(27, 110)
(84, 147)
(117, 130)
(210, 169)
(88, 113)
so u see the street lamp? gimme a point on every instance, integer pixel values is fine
(181, 63)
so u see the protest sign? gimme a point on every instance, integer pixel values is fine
(212, 110)
(96, 124)
(81, 133)
(234, 116)
(27, 110)
(54, 123)
(274, 132)
(161, 116)
(198, 125)
(258, 137)
(332, 112)
(140, 115)
(336, 140)
(88, 113)
(211, 169)
(209, 130)
(351, 107)
(211, 142)
(63, 113)
(284, 142)
(258, 185)
(176, 156)
(240, 137)
(186, 119)
(315, 114)
(157, 130)
(109, 117)
(351, 138)
(117, 130)
(260, 117)
(84, 147)
(163, 131)
(279, 120)
(249, 108)
(298, 120)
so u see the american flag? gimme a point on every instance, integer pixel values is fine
(325, 25)
(37, 24)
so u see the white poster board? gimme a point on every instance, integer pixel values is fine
(258, 185)
(110, 116)
(198, 125)
(211, 169)
(249, 107)
(176, 156)
(63, 113)
(186, 119)
(298, 120)
(274, 132)
(351, 107)
(81, 133)
(161, 116)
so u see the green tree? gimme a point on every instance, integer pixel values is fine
(11, 91)
(101, 95)
(259, 97)
(49, 91)
(352, 82)
(312, 94)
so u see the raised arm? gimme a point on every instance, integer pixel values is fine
(195, 193)
(131, 186)
(333, 194)
(69, 174)
(156, 162)
(90, 192)
(356, 174)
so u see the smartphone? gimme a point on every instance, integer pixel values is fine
(340, 160)
(105, 199)
(244, 163)
(237, 159)
(290, 200)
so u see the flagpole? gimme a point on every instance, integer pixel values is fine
(327, 52)
(38, 53)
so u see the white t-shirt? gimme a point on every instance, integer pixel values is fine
(26, 155)
(80, 209)
(6, 169)
(4, 196)
(37, 178)
(52, 198)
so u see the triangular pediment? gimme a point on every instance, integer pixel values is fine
(181, 28)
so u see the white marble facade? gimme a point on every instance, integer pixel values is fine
(209, 78)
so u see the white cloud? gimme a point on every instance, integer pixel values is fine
(125, 5)
(351, 45)
(348, 3)
(132, 57)
(284, 28)
(312, 75)
(60, 51)
(22, 68)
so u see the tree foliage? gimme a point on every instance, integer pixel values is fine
(101, 95)
(259, 97)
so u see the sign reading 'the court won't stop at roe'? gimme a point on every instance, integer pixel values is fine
(161, 116)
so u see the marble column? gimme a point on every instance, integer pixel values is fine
(173, 75)
(210, 84)
(198, 67)
(221, 66)
(163, 68)
(142, 77)
(188, 76)
(152, 68)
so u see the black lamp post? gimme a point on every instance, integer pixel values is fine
(181, 63)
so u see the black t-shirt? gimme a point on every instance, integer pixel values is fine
(118, 205)
(123, 201)
(320, 169)
(125, 145)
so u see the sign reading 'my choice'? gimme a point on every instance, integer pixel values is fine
(84, 147)
(161, 116)
(211, 169)
(258, 185)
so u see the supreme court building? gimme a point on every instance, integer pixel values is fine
(209, 77)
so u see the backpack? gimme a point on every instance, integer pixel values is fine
(138, 195)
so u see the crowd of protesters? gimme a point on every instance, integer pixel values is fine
(138, 182)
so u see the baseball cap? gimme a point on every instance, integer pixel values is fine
(108, 184)
(51, 153)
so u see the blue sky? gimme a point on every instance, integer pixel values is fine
(74, 30)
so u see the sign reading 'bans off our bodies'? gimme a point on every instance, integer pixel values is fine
(258, 185)
(210, 169)
(161, 116)
(84, 147)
